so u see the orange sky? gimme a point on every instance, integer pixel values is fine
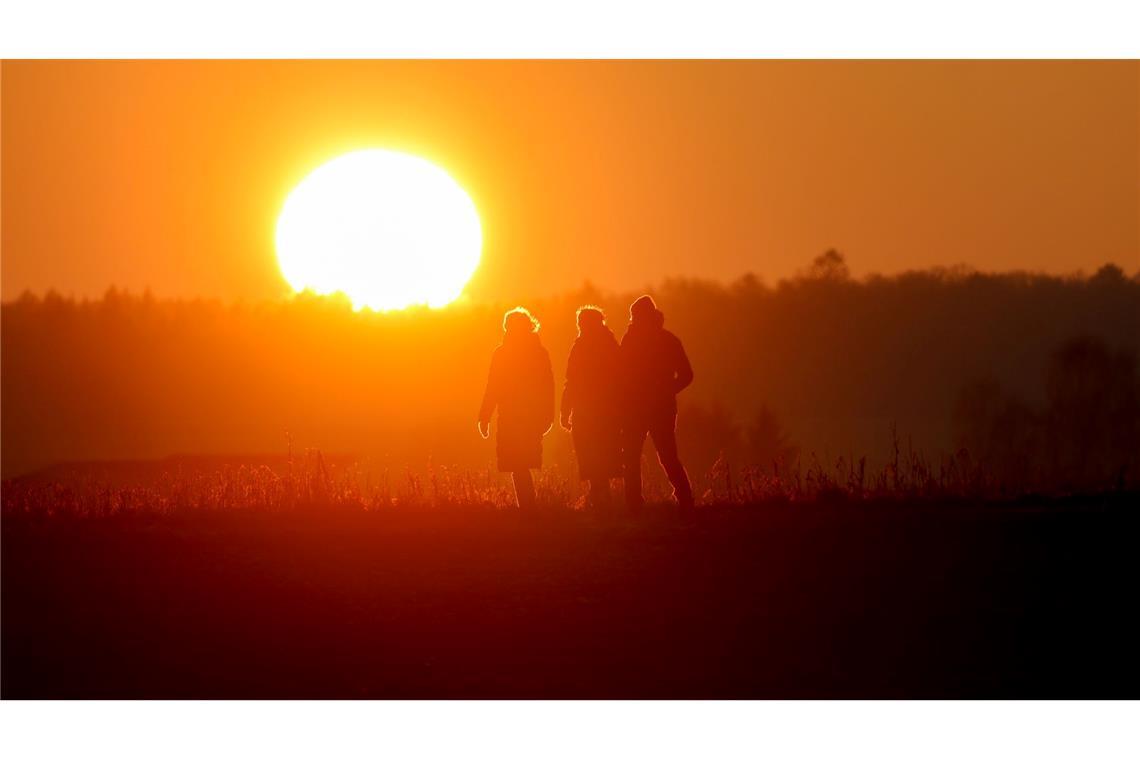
(169, 175)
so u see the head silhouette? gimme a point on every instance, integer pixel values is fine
(645, 312)
(519, 321)
(590, 319)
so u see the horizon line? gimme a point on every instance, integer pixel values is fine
(950, 272)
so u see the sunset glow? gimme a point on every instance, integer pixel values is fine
(445, 380)
(387, 229)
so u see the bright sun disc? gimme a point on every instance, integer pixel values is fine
(387, 229)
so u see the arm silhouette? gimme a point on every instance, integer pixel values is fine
(490, 397)
(682, 368)
(547, 392)
(568, 389)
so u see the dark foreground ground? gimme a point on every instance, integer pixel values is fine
(810, 601)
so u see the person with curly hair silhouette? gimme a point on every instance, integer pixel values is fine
(520, 386)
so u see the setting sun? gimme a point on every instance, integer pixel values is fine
(387, 229)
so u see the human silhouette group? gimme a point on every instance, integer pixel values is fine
(615, 394)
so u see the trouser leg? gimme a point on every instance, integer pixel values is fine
(634, 441)
(524, 489)
(664, 432)
(599, 492)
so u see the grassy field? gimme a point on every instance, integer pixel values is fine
(821, 598)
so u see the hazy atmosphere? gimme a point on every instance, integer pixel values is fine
(840, 363)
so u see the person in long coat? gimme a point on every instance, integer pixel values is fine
(591, 403)
(521, 387)
(656, 369)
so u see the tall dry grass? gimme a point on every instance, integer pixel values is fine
(310, 484)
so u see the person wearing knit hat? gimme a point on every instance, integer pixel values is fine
(655, 369)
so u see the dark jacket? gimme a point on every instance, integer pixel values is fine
(592, 398)
(593, 375)
(655, 367)
(521, 386)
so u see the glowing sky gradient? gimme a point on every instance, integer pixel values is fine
(171, 175)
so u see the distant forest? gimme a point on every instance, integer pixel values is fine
(1034, 375)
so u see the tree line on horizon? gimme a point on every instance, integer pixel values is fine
(1033, 374)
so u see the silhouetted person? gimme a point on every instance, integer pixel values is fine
(656, 369)
(521, 387)
(591, 403)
